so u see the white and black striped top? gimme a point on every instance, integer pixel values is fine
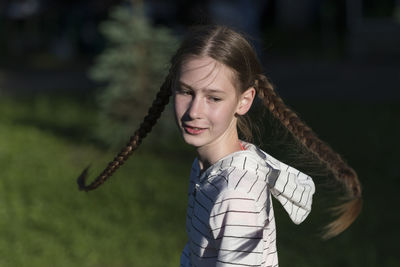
(230, 219)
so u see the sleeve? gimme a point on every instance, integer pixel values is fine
(237, 229)
(293, 189)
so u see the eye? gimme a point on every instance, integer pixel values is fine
(214, 98)
(184, 91)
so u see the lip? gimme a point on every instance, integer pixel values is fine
(193, 130)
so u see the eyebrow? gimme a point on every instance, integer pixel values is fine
(208, 90)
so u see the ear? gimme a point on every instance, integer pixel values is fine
(245, 101)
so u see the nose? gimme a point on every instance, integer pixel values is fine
(195, 108)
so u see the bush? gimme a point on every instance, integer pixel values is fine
(133, 68)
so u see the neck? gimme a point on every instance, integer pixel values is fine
(211, 153)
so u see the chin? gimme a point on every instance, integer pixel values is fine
(190, 141)
(195, 141)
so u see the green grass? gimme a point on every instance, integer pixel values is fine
(133, 220)
(138, 217)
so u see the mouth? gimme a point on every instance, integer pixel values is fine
(193, 130)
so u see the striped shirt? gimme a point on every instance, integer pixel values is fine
(230, 219)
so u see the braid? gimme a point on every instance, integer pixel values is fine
(149, 121)
(346, 212)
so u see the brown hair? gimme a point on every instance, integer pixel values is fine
(234, 51)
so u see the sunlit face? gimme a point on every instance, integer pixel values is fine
(206, 102)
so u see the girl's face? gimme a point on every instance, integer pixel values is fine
(206, 102)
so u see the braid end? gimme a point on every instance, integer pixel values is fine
(347, 213)
(82, 179)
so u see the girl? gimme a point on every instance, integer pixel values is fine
(215, 78)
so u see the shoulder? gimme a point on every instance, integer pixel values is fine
(243, 183)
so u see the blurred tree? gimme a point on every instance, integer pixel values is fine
(133, 66)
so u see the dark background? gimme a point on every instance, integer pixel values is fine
(354, 45)
(335, 62)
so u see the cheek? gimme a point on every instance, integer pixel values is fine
(223, 116)
(176, 111)
(179, 106)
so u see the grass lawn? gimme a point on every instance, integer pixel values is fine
(138, 217)
(134, 220)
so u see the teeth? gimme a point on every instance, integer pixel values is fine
(195, 128)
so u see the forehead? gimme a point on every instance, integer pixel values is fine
(205, 73)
